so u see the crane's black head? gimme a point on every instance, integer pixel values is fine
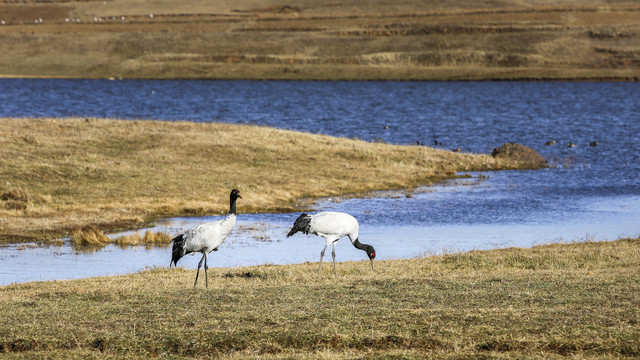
(235, 193)
(371, 252)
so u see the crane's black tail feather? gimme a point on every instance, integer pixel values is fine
(302, 224)
(178, 249)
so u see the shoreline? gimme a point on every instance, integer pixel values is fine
(64, 174)
(189, 264)
(454, 79)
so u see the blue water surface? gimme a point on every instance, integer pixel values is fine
(589, 192)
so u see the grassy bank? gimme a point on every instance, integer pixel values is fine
(376, 40)
(577, 300)
(58, 175)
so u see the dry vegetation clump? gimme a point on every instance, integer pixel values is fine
(128, 240)
(577, 300)
(118, 174)
(20, 199)
(14, 199)
(519, 153)
(149, 238)
(89, 236)
(156, 238)
(15, 194)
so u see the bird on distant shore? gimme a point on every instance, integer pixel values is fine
(205, 238)
(332, 226)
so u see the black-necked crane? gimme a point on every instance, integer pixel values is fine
(332, 226)
(205, 238)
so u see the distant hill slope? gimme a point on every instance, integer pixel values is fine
(400, 40)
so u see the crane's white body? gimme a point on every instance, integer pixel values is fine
(333, 226)
(208, 237)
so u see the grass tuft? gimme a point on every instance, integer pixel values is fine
(15, 194)
(156, 238)
(128, 240)
(149, 238)
(89, 236)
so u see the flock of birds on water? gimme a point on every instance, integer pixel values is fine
(571, 144)
(208, 237)
(437, 142)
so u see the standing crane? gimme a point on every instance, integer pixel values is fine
(205, 238)
(332, 226)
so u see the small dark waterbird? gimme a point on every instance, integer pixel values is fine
(205, 238)
(332, 226)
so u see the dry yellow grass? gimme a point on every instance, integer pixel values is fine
(576, 301)
(128, 240)
(116, 174)
(156, 238)
(149, 238)
(382, 39)
(89, 236)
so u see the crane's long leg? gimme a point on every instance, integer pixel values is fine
(321, 256)
(198, 272)
(333, 254)
(206, 277)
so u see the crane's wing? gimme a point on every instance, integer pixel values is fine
(301, 224)
(334, 224)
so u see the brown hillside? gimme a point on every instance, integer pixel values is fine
(402, 40)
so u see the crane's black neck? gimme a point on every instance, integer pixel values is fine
(232, 206)
(359, 245)
(235, 194)
(371, 252)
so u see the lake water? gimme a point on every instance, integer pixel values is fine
(589, 193)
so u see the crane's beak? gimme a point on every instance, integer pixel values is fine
(371, 264)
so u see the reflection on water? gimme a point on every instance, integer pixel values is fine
(435, 220)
